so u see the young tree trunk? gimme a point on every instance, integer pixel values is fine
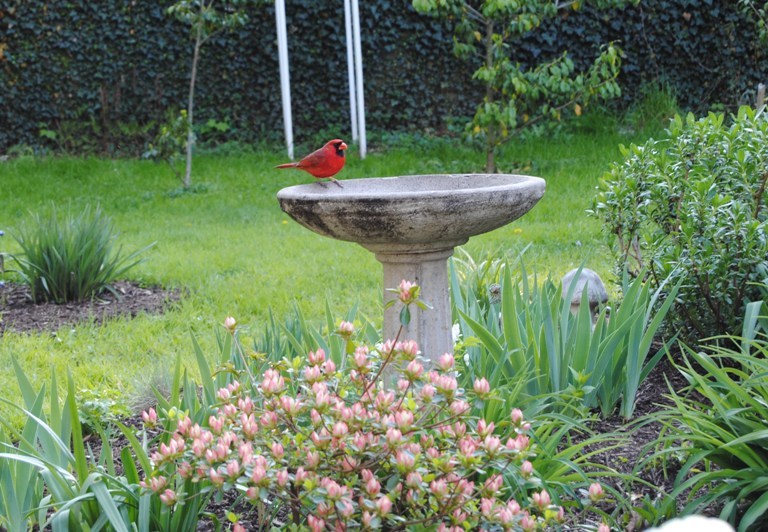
(490, 146)
(191, 108)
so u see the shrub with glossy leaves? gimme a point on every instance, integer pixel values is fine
(693, 207)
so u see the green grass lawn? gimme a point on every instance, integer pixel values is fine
(234, 252)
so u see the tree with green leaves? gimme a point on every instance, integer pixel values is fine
(206, 18)
(517, 97)
(757, 10)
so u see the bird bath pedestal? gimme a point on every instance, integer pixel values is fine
(411, 224)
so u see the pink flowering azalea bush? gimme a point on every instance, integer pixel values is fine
(339, 450)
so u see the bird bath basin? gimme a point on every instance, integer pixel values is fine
(411, 224)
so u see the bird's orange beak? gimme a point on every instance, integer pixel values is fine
(343, 146)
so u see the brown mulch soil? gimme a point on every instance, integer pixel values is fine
(18, 312)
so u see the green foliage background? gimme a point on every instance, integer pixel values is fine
(99, 77)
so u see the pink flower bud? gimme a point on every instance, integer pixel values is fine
(169, 497)
(404, 420)
(595, 492)
(316, 357)
(459, 407)
(409, 349)
(384, 400)
(149, 418)
(273, 382)
(315, 523)
(493, 484)
(249, 426)
(156, 484)
(484, 428)
(184, 426)
(492, 444)
(519, 444)
(383, 506)
(527, 523)
(345, 509)
(186, 470)
(323, 510)
(215, 477)
(372, 486)
(301, 475)
(504, 516)
(394, 437)
(413, 480)
(482, 388)
(427, 392)
(322, 439)
(413, 370)
(405, 461)
(312, 374)
(224, 395)
(290, 406)
(216, 424)
(259, 475)
(407, 292)
(439, 488)
(340, 429)
(526, 469)
(245, 404)
(277, 450)
(334, 490)
(360, 359)
(603, 528)
(541, 499)
(230, 324)
(233, 469)
(346, 329)
(446, 385)
(282, 478)
(445, 362)
(517, 416)
(329, 367)
(487, 507)
(467, 447)
(514, 507)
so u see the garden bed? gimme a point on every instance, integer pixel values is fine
(20, 314)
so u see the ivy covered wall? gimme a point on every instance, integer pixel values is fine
(99, 77)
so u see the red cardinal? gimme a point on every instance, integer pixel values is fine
(322, 163)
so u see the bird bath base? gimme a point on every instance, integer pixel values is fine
(412, 224)
(430, 328)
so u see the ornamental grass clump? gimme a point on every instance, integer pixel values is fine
(714, 435)
(335, 449)
(73, 258)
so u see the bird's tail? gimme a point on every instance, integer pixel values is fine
(287, 165)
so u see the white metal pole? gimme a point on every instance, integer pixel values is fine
(285, 78)
(359, 78)
(351, 69)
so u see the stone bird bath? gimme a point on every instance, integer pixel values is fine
(411, 224)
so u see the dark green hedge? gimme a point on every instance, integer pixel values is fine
(100, 76)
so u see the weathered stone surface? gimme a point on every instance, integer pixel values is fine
(434, 210)
(596, 292)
